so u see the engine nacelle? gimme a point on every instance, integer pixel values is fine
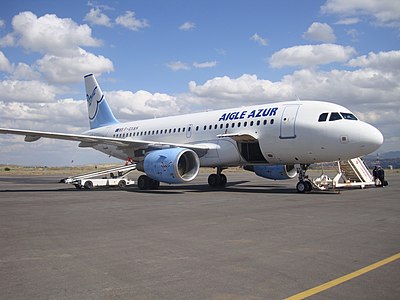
(276, 172)
(174, 165)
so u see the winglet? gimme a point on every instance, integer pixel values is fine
(99, 112)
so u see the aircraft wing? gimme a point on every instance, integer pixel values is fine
(90, 141)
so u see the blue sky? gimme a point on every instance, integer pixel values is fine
(156, 58)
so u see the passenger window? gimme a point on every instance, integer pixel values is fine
(205, 127)
(334, 116)
(239, 124)
(244, 124)
(348, 116)
(233, 125)
(323, 117)
(258, 122)
(227, 125)
(272, 121)
(197, 128)
(265, 122)
(251, 123)
(221, 126)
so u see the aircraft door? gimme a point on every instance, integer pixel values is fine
(189, 131)
(288, 122)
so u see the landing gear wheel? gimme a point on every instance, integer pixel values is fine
(217, 180)
(214, 180)
(224, 180)
(146, 183)
(308, 186)
(143, 182)
(301, 186)
(155, 184)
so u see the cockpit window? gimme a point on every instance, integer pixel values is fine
(334, 116)
(322, 117)
(348, 116)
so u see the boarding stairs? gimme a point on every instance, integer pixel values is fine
(110, 177)
(350, 173)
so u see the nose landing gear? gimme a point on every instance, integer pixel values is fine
(304, 185)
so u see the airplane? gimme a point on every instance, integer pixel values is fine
(275, 140)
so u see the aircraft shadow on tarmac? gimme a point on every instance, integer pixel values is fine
(231, 187)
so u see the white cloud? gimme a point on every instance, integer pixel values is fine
(224, 91)
(96, 17)
(25, 72)
(26, 91)
(383, 12)
(262, 41)
(320, 32)
(7, 40)
(206, 64)
(71, 69)
(2, 23)
(5, 63)
(177, 65)
(348, 21)
(142, 104)
(129, 21)
(383, 61)
(311, 55)
(50, 34)
(64, 61)
(187, 26)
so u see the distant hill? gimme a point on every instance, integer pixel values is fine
(385, 159)
(386, 155)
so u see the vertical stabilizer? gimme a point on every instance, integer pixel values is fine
(99, 112)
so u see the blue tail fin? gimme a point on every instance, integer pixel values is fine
(100, 113)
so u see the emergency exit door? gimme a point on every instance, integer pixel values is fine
(288, 122)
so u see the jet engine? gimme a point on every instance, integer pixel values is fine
(276, 172)
(173, 165)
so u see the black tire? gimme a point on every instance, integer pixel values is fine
(223, 180)
(88, 185)
(308, 186)
(155, 184)
(122, 184)
(143, 182)
(214, 180)
(301, 187)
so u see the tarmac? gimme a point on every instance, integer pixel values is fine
(254, 239)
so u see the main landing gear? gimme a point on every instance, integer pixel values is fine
(146, 183)
(218, 179)
(303, 185)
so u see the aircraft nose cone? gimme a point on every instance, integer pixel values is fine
(371, 138)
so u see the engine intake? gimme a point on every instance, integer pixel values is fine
(173, 165)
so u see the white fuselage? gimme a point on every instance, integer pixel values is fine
(276, 133)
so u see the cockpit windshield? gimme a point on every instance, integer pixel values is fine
(348, 116)
(333, 116)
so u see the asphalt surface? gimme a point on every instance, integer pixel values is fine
(255, 239)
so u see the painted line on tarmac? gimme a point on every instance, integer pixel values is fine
(344, 278)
